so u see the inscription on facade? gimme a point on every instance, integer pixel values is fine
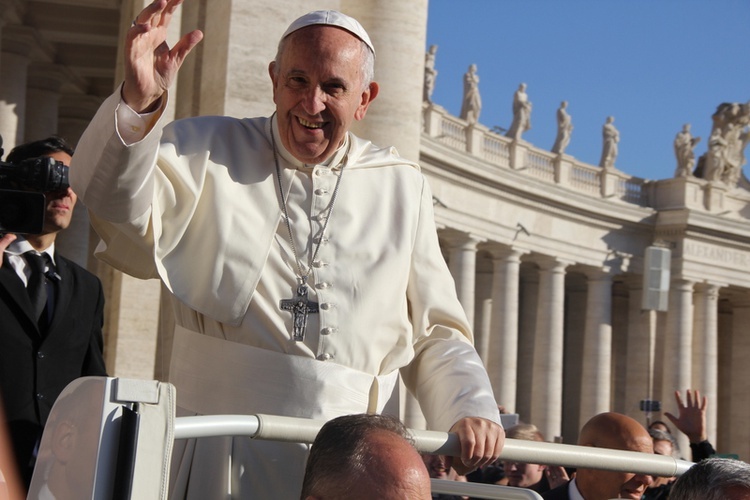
(713, 253)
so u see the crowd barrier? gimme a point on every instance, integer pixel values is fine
(132, 428)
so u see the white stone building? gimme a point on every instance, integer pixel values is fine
(547, 252)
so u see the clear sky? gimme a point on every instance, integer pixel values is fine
(652, 64)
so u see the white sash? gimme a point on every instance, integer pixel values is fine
(215, 376)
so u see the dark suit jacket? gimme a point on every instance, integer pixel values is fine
(559, 493)
(35, 368)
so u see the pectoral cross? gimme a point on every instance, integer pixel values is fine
(300, 307)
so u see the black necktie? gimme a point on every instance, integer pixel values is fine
(37, 286)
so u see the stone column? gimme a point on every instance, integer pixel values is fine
(575, 327)
(14, 63)
(678, 353)
(723, 402)
(640, 341)
(620, 314)
(546, 399)
(462, 261)
(399, 32)
(739, 406)
(526, 331)
(483, 314)
(503, 353)
(706, 353)
(597, 346)
(43, 95)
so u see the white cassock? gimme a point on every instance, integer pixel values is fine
(196, 204)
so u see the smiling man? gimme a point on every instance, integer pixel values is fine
(617, 432)
(44, 348)
(303, 262)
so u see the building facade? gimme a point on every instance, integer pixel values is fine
(547, 252)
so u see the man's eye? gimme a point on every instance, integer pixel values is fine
(334, 89)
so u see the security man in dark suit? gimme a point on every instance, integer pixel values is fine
(51, 316)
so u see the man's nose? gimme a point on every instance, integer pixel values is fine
(315, 100)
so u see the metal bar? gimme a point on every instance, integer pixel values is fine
(478, 490)
(288, 429)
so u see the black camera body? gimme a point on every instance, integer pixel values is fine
(22, 188)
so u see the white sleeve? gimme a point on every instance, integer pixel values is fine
(446, 375)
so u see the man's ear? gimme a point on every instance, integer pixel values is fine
(272, 74)
(368, 95)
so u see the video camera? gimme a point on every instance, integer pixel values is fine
(22, 188)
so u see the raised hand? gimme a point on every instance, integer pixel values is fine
(150, 65)
(692, 416)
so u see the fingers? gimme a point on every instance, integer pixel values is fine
(154, 14)
(182, 48)
(691, 401)
(678, 398)
(481, 442)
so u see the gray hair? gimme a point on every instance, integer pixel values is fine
(367, 70)
(659, 435)
(341, 451)
(711, 479)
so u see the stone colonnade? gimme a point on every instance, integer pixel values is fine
(564, 342)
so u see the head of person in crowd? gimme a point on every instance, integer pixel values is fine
(664, 444)
(660, 426)
(618, 432)
(322, 82)
(713, 479)
(522, 474)
(60, 203)
(367, 456)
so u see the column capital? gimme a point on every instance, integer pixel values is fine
(710, 289)
(17, 40)
(682, 284)
(499, 251)
(603, 273)
(44, 76)
(549, 263)
(459, 239)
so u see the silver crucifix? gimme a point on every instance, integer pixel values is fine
(300, 307)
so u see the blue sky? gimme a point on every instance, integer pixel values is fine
(652, 64)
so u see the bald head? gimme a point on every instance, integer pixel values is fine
(615, 431)
(618, 432)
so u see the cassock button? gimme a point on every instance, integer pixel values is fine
(321, 191)
(39, 395)
(327, 330)
(318, 263)
(323, 286)
(40, 355)
(325, 357)
(326, 306)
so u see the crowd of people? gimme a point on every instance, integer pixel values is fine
(299, 261)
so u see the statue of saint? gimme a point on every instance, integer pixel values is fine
(611, 138)
(472, 103)
(430, 73)
(715, 157)
(684, 143)
(564, 129)
(521, 113)
(726, 147)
